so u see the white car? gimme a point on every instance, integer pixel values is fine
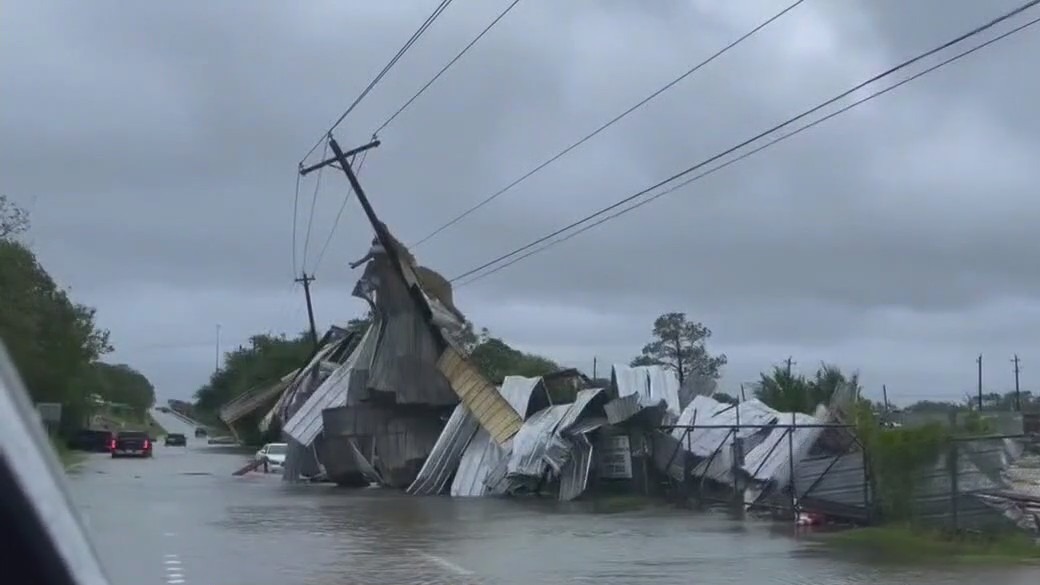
(274, 454)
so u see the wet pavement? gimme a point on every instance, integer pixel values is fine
(181, 518)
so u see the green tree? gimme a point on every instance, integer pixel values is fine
(13, 219)
(262, 363)
(124, 385)
(680, 345)
(51, 339)
(791, 392)
(496, 360)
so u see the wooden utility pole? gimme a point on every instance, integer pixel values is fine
(742, 398)
(978, 360)
(306, 281)
(789, 361)
(594, 364)
(1018, 393)
(884, 395)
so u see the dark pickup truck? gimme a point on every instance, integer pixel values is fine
(131, 444)
(176, 440)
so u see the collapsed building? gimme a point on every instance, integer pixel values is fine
(399, 404)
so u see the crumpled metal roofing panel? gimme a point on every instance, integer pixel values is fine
(532, 441)
(703, 442)
(574, 477)
(770, 460)
(489, 407)
(446, 453)
(306, 423)
(651, 383)
(482, 455)
(518, 392)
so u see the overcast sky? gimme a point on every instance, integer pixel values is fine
(155, 144)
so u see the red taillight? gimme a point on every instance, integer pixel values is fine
(112, 444)
(147, 444)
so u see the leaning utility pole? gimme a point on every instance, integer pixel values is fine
(1018, 393)
(306, 281)
(978, 360)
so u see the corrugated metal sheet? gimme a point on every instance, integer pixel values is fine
(489, 407)
(771, 459)
(525, 395)
(532, 442)
(630, 411)
(250, 401)
(446, 454)
(651, 383)
(402, 441)
(574, 477)
(588, 402)
(834, 485)
(702, 442)
(404, 368)
(979, 464)
(306, 423)
(481, 457)
(669, 456)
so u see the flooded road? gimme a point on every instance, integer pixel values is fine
(182, 519)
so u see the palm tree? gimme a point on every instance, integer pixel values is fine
(789, 392)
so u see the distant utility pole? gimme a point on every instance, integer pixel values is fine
(742, 399)
(884, 395)
(789, 361)
(306, 281)
(594, 364)
(1018, 393)
(978, 360)
(216, 358)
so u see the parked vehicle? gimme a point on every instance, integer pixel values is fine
(131, 444)
(200, 432)
(95, 441)
(273, 456)
(176, 440)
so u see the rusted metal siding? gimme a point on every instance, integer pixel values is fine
(493, 412)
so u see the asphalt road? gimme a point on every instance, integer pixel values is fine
(173, 423)
(181, 518)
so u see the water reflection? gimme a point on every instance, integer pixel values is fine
(255, 530)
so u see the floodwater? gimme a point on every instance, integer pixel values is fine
(181, 519)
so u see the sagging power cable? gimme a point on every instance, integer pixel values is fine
(606, 125)
(422, 89)
(729, 151)
(379, 77)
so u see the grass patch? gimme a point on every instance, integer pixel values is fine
(67, 456)
(905, 544)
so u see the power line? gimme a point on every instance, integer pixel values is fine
(795, 132)
(314, 204)
(446, 67)
(295, 217)
(608, 124)
(339, 214)
(379, 77)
